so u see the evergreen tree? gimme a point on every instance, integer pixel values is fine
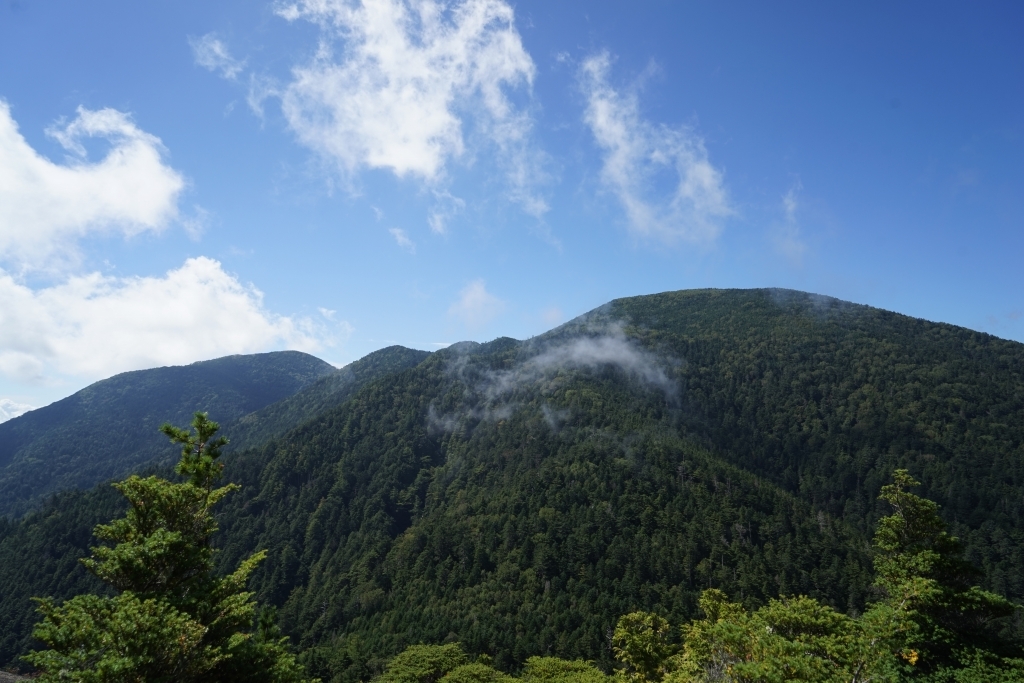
(172, 619)
(948, 624)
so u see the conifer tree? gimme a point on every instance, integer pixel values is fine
(172, 619)
(946, 622)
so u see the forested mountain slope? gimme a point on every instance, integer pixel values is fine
(39, 553)
(274, 420)
(110, 428)
(520, 496)
(827, 398)
(518, 500)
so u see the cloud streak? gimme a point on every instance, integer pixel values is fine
(612, 348)
(45, 206)
(211, 53)
(402, 240)
(93, 326)
(786, 236)
(637, 153)
(406, 85)
(492, 394)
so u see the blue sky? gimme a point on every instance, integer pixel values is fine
(184, 180)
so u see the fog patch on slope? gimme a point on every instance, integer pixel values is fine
(490, 393)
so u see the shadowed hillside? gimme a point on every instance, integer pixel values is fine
(110, 428)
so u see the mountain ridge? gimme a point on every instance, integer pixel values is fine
(519, 496)
(41, 451)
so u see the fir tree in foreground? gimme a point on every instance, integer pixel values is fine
(172, 619)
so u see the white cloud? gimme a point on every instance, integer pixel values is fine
(93, 326)
(403, 240)
(446, 207)
(10, 410)
(45, 206)
(612, 347)
(786, 236)
(410, 82)
(211, 53)
(476, 306)
(636, 152)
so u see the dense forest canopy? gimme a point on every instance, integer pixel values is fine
(520, 497)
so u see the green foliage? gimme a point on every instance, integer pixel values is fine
(929, 624)
(123, 638)
(923, 574)
(384, 529)
(107, 430)
(273, 421)
(39, 554)
(826, 398)
(172, 619)
(789, 639)
(555, 670)
(424, 664)
(449, 664)
(476, 672)
(640, 643)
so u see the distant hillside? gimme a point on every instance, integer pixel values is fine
(519, 496)
(110, 427)
(272, 421)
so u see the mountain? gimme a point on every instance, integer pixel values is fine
(260, 426)
(110, 428)
(39, 553)
(519, 496)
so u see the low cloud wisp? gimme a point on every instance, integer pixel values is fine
(491, 394)
(610, 349)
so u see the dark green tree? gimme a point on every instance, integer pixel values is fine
(172, 619)
(949, 623)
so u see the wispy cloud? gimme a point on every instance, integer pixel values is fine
(638, 152)
(786, 236)
(611, 347)
(93, 326)
(476, 306)
(10, 409)
(497, 394)
(446, 207)
(402, 240)
(408, 86)
(211, 53)
(45, 206)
